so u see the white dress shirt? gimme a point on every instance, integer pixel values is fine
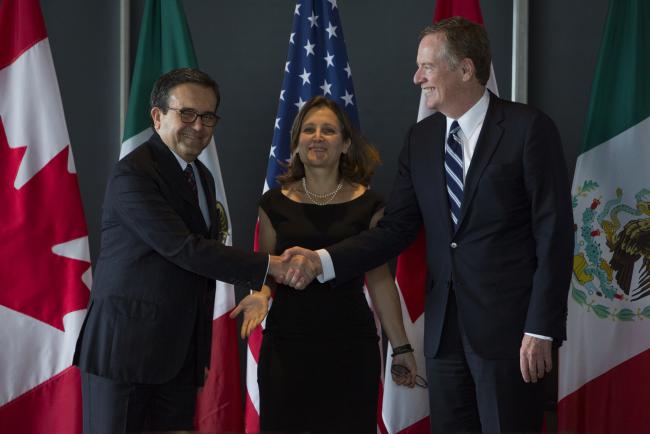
(470, 124)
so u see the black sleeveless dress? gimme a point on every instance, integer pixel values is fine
(319, 365)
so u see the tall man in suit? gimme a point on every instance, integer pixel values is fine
(487, 180)
(145, 344)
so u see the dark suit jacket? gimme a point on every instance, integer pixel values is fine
(510, 260)
(153, 289)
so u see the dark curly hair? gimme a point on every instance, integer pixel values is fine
(356, 166)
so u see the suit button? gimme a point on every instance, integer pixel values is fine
(453, 245)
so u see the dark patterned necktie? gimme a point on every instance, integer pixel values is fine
(454, 172)
(189, 175)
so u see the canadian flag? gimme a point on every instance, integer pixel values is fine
(44, 259)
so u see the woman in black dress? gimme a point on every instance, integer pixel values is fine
(319, 364)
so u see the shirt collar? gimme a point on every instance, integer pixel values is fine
(472, 117)
(182, 162)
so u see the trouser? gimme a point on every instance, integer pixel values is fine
(469, 394)
(113, 407)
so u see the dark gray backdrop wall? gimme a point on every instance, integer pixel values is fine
(243, 44)
(84, 37)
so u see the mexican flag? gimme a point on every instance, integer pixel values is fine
(44, 259)
(165, 43)
(605, 363)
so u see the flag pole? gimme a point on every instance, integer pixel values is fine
(519, 91)
(125, 39)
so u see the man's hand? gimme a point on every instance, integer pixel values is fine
(255, 307)
(293, 278)
(535, 358)
(297, 271)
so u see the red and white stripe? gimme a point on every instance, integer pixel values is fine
(253, 345)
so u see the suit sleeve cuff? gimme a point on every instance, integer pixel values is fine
(546, 338)
(328, 266)
(266, 275)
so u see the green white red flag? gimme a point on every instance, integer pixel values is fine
(604, 385)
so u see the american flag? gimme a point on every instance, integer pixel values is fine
(317, 64)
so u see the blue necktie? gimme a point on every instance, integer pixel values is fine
(454, 172)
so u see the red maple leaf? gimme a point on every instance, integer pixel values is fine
(45, 212)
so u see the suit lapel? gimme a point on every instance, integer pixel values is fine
(208, 188)
(170, 170)
(488, 142)
(434, 158)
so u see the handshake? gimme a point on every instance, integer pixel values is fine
(296, 267)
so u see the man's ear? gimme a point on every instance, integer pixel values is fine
(467, 68)
(156, 113)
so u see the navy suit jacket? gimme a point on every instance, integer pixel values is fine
(509, 261)
(153, 288)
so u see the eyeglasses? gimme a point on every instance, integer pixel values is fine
(188, 116)
(403, 371)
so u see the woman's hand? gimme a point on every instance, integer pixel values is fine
(405, 375)
(255, 307)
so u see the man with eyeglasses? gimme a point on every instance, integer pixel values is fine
(144, 347)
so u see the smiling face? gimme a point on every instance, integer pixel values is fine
(321, 141)
(187, 140)
(441, 82)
